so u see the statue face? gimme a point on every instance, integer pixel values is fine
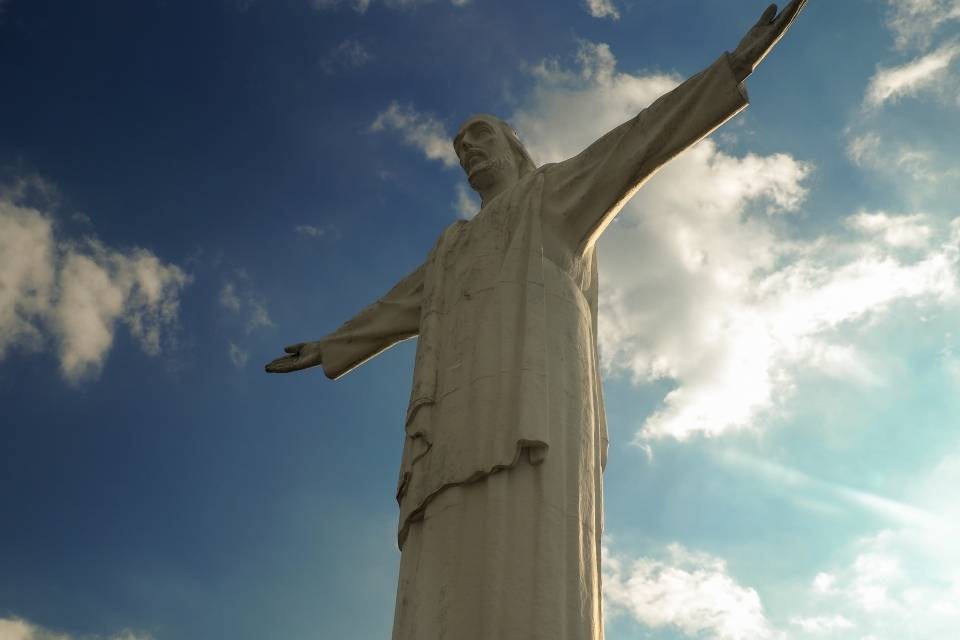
(484, 152)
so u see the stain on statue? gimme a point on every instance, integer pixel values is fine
(501, 480)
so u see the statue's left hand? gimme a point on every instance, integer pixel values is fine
(763, 37)
(302, 355)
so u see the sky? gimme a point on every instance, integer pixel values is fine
(188, 186)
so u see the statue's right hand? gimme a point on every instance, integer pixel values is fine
(302, 355)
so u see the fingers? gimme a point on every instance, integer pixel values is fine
(768, 15)
(285, 364)
(791, 10)
(294, 348)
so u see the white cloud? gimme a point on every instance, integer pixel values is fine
(346, 56)
(16, 629)
(824, 582)
(891, 84)
(467, 203)
(361, 6)
(602, 9)
(870, 150)
(903, 581)
(98, 287)
(27, 274)
(863, 148)
(81, 218)
(74, 293)
(239, 298)
(418, 130)
(822, 624)
(259, 316)
(243, 301)
(237, 355)
(92, 303)
(312, 231)
(914, 22)
(895, 230)
(229, 298)
(691, 592)
(879, 592)
(569, 108)
(19, 629)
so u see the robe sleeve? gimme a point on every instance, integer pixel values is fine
(392, 318)
(583, 194)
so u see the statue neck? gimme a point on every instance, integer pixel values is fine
(490, 190)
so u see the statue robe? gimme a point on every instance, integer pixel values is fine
(501, 486)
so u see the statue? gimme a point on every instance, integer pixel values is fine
(501, 486)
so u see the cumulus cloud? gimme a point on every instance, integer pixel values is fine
(20, 629)
(98, 287)
(688, 591)
(911, 231)
(419, 130)
(73, 294)
(915, 22)
(902, 581)
(879, 592)
(602, 9)
(568, 108)
(27, 274)
(925, 72)
(347, 55)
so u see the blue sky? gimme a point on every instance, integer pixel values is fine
(186, 187)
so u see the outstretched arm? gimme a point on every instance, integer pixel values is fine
(584, 194)
(392, 318)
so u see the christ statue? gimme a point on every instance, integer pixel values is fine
(501, 485)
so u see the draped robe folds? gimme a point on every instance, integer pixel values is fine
(501, 488)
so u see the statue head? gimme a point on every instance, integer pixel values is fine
(490, 152)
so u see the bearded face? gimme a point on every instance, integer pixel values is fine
(485, 153)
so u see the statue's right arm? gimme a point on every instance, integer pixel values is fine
(583, 194)
(389, 320)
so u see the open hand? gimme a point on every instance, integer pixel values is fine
(763, 37)
(302, 355)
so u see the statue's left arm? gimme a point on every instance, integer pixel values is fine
(583, 194)
(389, 320)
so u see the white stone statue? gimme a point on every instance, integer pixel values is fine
(501, 486)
